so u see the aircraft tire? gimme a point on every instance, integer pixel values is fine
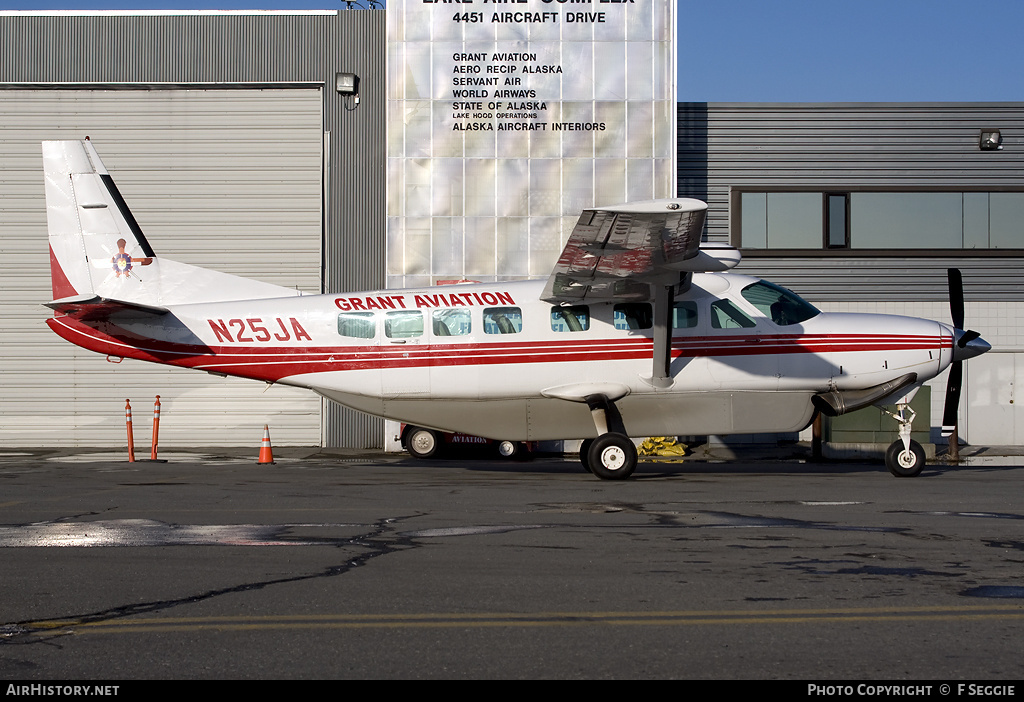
(904, 464)
(512, 450)
(612, 457)
(585, 454)
(422, 443)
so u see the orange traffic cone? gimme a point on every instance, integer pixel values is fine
(266, 451)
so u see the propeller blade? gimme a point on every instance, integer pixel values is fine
(952, 408)
(956, 296)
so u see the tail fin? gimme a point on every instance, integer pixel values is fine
(98, 252)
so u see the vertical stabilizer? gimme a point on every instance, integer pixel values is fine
(96, 246)
(98, 250)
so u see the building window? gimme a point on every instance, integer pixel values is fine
(837, 225)
(906, 220)
(781, 220)
(877, 220)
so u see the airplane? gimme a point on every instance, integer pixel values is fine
(640, 330)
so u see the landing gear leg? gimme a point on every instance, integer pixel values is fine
(905, 457)
(612, 455)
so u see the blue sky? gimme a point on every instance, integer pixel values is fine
(793, 50)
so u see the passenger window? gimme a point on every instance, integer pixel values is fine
(633, 315)
(684, 315)
(357, 325)
(451, 322)
(570, 319)
(403, 324)
(726, 315)
(503, 320)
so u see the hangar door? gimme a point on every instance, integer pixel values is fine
(225, 179)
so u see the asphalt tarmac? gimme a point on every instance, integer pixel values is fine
(327, 566)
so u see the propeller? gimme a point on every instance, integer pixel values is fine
(967, 344)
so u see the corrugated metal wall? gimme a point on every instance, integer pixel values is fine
(724, 147)
(229, 183)
(194, 53)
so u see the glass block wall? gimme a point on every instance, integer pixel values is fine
(506, 120)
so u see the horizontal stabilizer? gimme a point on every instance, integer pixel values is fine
(90, 307)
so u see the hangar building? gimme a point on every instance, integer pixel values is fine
(228, 139)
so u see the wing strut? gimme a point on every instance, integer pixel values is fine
(664, 299)
(664, 306)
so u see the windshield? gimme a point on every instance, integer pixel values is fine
(782, 306)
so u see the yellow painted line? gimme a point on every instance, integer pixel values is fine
(533, 619)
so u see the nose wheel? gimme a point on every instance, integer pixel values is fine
(904, 462)
(904, 458)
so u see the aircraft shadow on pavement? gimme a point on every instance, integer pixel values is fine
(653, 468)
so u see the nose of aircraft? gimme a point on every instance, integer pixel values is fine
(968, 344)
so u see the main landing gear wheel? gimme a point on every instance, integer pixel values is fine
(511, 449)
(903, 463)
(612, 457)
(422, 443)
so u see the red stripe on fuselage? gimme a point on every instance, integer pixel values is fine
(274, 363)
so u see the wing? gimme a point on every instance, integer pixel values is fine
(615, 253)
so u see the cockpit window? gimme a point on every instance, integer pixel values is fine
(684, 315)
(782, 306)
(726, 315)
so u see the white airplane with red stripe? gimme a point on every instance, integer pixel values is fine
(639, 331)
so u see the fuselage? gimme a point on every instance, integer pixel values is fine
(495, 360)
